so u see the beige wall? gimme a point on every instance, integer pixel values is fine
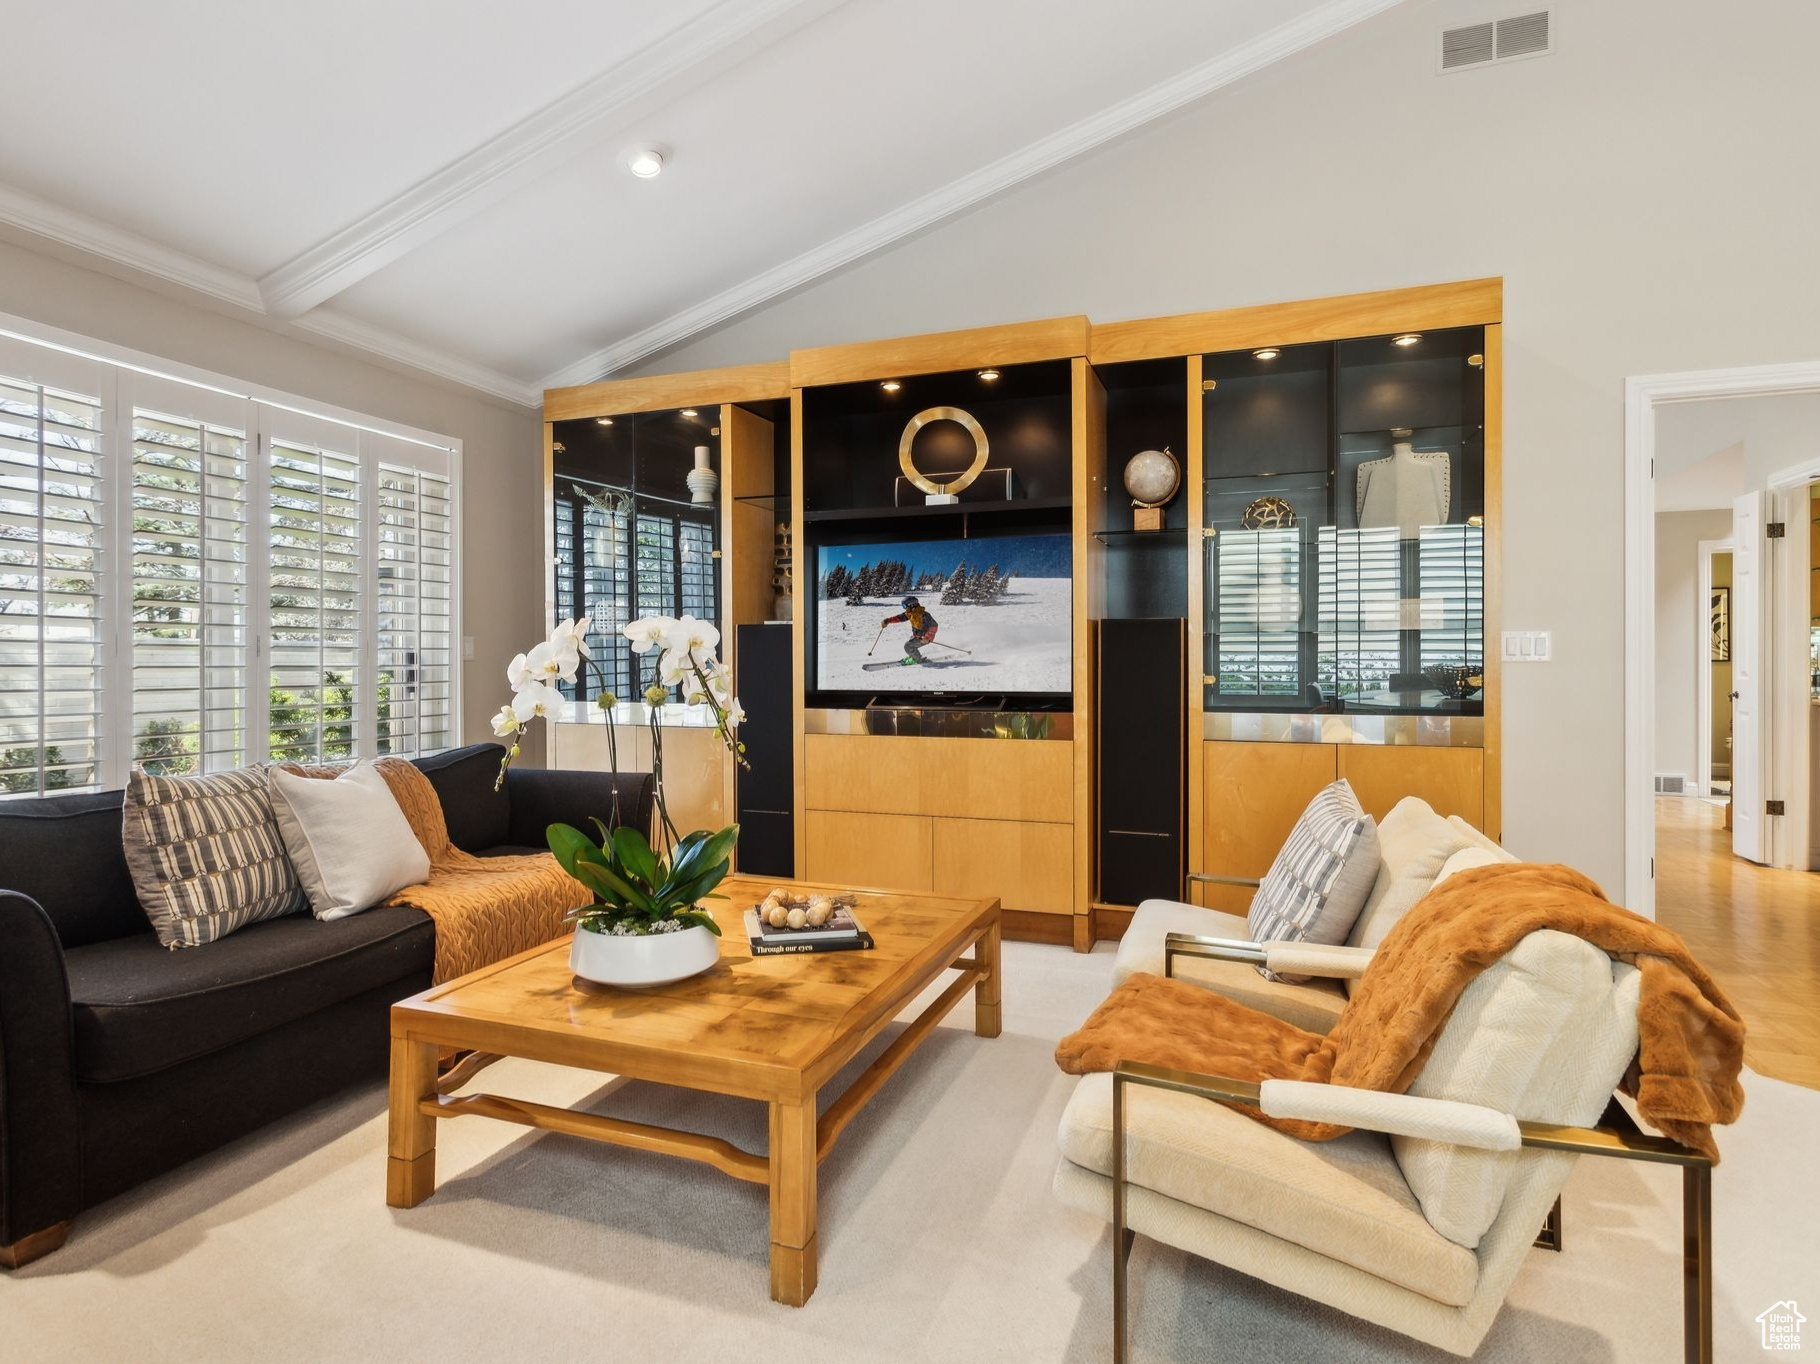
(502, 462)
(1682, 645)
(1603, 182)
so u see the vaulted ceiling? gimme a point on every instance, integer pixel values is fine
(442, 182)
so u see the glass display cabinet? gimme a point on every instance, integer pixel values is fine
(1343, 535)
(636, 527)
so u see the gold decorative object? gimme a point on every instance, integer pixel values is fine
(942, 414)
(1268, 513)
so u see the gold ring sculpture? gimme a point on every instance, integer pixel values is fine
(942, 414)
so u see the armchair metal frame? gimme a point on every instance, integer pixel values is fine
(1617, 1136)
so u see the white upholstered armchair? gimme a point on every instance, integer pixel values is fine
(1419, 1220)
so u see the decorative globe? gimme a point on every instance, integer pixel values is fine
(1152, 477)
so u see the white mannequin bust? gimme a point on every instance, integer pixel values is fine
(1409, 489)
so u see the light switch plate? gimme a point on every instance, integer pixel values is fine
(467, 648)
(1527, 646)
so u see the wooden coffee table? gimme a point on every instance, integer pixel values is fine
(775, 1029)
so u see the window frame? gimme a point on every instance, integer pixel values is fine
(126, 381)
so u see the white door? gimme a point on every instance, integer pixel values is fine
(1750, 691)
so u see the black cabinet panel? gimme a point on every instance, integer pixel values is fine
(766, 791)
(1142, 760)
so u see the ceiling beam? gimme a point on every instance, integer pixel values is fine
(1042, 155)
(705, 47)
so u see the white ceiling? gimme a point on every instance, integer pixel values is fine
(439, 181)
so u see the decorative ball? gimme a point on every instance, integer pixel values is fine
(798, 917)
(1457, 680)
(1152, 476)
(1268, 513)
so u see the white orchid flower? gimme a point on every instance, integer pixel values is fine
(571, 636)
(649, 631)
(694, 636)
(674, 668)
(518, 672)
(506, 722)
(537, 701)
(546, 663)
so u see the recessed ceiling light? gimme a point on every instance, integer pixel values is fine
(891, 385)
(647, 163)
(603, 421)
(1406, 339)
(690, 412)
(1267, 353)
(988, 374)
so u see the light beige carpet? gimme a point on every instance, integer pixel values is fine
(940, 1240)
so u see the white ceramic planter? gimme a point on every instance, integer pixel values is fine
(640, 961)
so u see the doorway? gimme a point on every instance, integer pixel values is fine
(1748, 440)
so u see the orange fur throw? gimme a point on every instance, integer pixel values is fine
(1690, 1039)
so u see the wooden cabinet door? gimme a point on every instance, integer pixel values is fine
(1450, 779)
(1027, 866)
(1252, 796)
(869, 852)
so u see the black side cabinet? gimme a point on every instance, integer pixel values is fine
(766, 792)
(1142, 759)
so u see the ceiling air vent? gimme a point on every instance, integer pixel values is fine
(1524, 35)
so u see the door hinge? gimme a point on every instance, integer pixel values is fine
(1776, 530)
(1652, 868)
(1775, 807)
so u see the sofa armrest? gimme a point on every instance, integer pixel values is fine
(542, 796)
(40, 1169)
(1290, 958)
(1399, 1115)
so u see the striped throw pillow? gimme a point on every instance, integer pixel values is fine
(205, 854)
(1321, 878)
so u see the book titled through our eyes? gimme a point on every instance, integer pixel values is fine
(842, 933)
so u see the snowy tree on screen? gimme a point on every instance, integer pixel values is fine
(954, 591)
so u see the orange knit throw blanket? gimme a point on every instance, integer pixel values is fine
(1690, 1039)
(485, 908)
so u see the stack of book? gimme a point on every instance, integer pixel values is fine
(842, 933)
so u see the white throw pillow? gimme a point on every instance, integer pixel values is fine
(1318, 883)
(348, 840)
(1413, 845)
(1468, 858)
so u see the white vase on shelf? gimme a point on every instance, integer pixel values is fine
(703, 482)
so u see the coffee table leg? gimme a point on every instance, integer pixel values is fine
(410, 1170)
(793, 1202)
(986, 992)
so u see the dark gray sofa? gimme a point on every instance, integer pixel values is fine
(120, 1059)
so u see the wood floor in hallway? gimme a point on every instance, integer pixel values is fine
(1755, 928)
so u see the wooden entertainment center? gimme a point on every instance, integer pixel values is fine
(1313, 636)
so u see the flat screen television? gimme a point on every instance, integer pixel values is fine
(997, 617)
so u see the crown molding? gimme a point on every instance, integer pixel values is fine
(722, 37)
(86, 236)
(388, 345)
(959, 195)
(44, 219)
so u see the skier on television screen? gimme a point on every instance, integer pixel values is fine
(922, 629)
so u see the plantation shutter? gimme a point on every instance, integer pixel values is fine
(1360, 609)
(191, 592)
(316, 540)
(1260, 611)
(53, 553)
(1452, 560)
(695, 570)
(413, 638)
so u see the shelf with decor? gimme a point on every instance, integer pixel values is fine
(665, 497)
(944, 470)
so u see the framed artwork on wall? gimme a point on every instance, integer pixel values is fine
(1722, 625)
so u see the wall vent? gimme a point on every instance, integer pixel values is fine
(1505, 40)
(1671, 784)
